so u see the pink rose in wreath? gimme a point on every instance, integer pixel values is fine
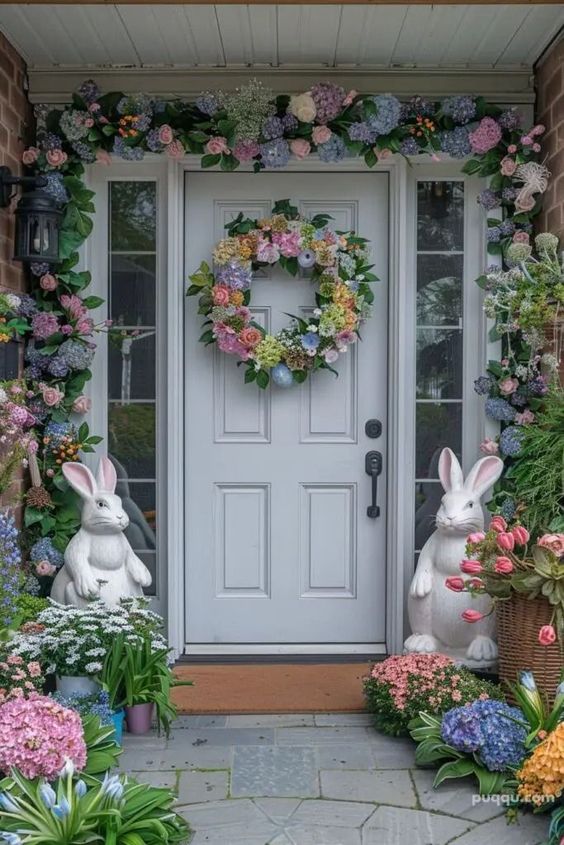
(166, 135)
(508, 166)
(547, 635)
(553, 542)
(321, 134)
(81, 404)
(521, 237)
(217, 146)
(300, 147)
(508, 386)
(30, 156)
(175, 149)
(250, 337)
(52, 396)
(220, 295)
(48, 282)
(56, 157)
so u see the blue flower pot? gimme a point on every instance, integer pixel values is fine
(117, 719)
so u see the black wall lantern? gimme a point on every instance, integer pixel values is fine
(37, 218)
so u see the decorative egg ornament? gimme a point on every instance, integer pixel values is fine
(282, 376)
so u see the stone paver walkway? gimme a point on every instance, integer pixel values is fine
(313, 780)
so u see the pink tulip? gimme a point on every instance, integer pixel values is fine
(503, 566)
(471, 567)
(547, 635)
(472, 616)
(521, 535)
(476, 537)
(455, 584)
(498, 524)
(476, 583)
(506, 541)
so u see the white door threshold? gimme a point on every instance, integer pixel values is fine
(203, 649)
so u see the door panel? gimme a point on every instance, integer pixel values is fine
(279, 548)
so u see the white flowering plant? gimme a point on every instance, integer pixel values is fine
(74, 641)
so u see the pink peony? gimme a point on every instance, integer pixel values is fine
(498, 524)
(44, 568)
(52, 396)
(553, 542)
(521, 237)
(81, 404)
(489, 446)
(503, 566)
(103, 157)
(250, 337)
(506, 541)
(508, 386)
(521, 535)
(56, 157)
(175, 149)
(48, 282)
(30, 156)
(486, 136)
(455, 583)
(217, 146)
(471, 567)
(321, 134)
(38, 736)
(508, 166)
(220, 295)
(547, 635)
(300, 147)
(472, 615)
(166, 135)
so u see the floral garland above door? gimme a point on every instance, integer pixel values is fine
(339, 268)
(253, 126)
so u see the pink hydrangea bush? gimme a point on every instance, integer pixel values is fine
(18, 678)
(38, 736)
(402, 686)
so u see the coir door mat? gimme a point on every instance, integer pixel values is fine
(271, 688)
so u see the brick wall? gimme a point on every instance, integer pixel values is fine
(549, 81)
(16, 119)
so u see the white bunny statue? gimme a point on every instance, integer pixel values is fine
(434, 610)
(99, 562)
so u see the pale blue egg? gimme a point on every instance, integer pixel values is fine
(282, 376)
(306, 258)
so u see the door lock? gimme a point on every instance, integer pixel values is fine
(373, 468)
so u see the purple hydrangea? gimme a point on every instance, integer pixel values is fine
(10, 566)
(409, 147)
(509, 194)
(153, 141)
(538, 386)
(272, 128)
(89, 91)
(84, 152)
(361, 131)
(489, 199)
(55, 187)
(519, 398)
(126, 152)
(455, 142)
(137, 104)
(332, 150)
(510, 120)
(388, 113)
(510, 441)
(57, 367)
(55, 431)
(234, 275)
(27, 306)
(483, 385)
(275, 153)
(289, 122)
(462, 109)
(492, 729)
(75, 354)
(499, 409)
(507, 228)
(50, 141)
(39, 268)
(328, 99)
(208, 103)
(45, 550)
(493, 235)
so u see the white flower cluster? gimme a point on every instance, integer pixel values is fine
(74, 641)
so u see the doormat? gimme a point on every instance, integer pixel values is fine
(271, 688)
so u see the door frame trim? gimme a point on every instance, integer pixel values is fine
(399, 527)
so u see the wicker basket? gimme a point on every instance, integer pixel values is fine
(518, 623)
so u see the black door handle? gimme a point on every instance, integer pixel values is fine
(373, 468)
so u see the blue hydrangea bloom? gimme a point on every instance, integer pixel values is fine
(489, 728)
(508, 508)
(510, 120)
(207, 103)
(122, 150)
(361, 131)
(75, 354)
(493, 234)
(39, 268)
(499, 409)
(272, 128)
(489, 199)
(510, 441)
(332, 150)
(84, 152)
(10, 563)
(45, 550)
(462, 109)
(50, 141)
(538, 386)
(57, 430)
(275, 153)
(153, 142)
(483, 385)
(289, 122)
(27, 306)
(507, 228)
(55, 187)
(234, 275)
(310, 341)
(388, 114)
(57, 367)
(409, 147)
(89, 91)
(456, 142)
(509, 194)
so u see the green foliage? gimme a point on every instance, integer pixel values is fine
(28, 608)
(102, 750)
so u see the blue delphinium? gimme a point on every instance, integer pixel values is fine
(492, 729)
(332, 150)
(388, 114)
(510, 441)
(275, 153)
(10, 563)
(456, 142)
(75, 354)
(462, 109)
(498, 409)
(45, 550)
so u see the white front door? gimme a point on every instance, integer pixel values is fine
(279, 546)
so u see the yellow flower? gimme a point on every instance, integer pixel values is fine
(344, 296)
(268, 352)
(278, 223)
(236, 297)
(4, 337)
(542, 774)
(227, 250)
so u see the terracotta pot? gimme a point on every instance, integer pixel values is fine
(139, 718)
(69, 685)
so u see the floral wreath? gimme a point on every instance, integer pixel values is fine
(338, 262)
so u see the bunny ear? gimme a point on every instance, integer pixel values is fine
(450, 472)
(80, 479)
(484, 475)
(106, 475)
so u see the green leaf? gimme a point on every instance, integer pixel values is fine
(250, 375)
(262, 379)
(454, 769)
(210, 160)
(92, 302)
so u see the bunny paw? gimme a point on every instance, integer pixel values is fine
(422, 643)
(482, 649)
(139, 573)
(421, 585)
(86, 585)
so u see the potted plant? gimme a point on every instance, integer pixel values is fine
(526, 583)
